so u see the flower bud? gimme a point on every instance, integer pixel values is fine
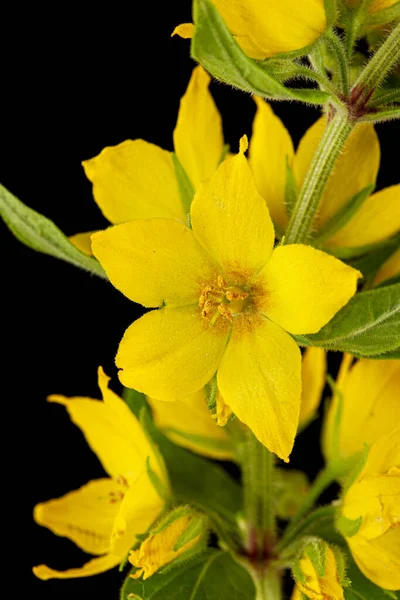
(319, 573)
(181, 535)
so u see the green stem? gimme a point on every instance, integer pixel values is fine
(332, 142)
(341, 59)
(268, 586)
(324, 479)
(258, 467)
(380, 65)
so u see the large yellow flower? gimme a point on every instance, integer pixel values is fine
(370, 393)
(227, 302)
(137, 180)
(104, 516)
(271, 148)
(375, 498)
(264, 28)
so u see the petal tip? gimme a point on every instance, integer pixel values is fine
(184, 30)
(243, 144)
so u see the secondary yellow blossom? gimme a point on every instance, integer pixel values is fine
(104, 516)
(271, 148)
(137, 180)
(389, 269)
(228, 300)
(375, 497)
(370, 404)
(313, 372)
(317, 586)
(177, 535)
(264, 29)
(188, 423)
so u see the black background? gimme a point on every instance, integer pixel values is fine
(73, 83)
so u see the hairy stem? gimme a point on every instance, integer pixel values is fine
(380, 65)
(332, 142)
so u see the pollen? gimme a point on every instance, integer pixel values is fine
(222, 300)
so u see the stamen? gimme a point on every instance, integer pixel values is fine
(222, 301)
(225, 312)
(221, 282)
(230, 295)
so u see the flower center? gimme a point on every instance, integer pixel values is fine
(222, 300)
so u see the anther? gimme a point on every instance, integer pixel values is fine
(225, 312)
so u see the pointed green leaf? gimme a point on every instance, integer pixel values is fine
(369, 325)
(185, 186)
(381, 115)
(316, 552)
(39, 233)
(214, 47)
(214, 575)
(370, 263)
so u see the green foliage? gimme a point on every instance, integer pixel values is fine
(39, 233)
(369, 325)
(289, 490)
(348, 527)
(214, 47)
(316, 552)
(362, 588)
(291, 189)
(185, 186)
(214, 575)
(370, 263)
(194, 480)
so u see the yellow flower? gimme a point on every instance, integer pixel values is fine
(389, 269)
(182, 532)
(264, 29)
(104, 516)
(325, 585)
(137, 180)
(228, 300)
(375, 497)
(370, 407)
(270, 149)
(313, 372)
(188, 423)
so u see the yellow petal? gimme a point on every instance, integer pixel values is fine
(93, 567)
(315, 587)
(139, 509)
(370, 407)
(154, 261)
(270, 147)
(379, 559)
(198, 138)
(354, 170)
(158, 549)
(313, 371)
(112, 431)
(231, 220)
(259, 378)
(82, 242)
(134, 180)
(171, 353)
(384, 454)
(389, 269)
(184, 30)
(306, 287)
(267, 28)
(296, 594)
(85, 516)
(188, 423)
(377, 220)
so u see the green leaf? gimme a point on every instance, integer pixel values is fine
(370, 263)
(348, 527)
(135, 400)
(344, 215)
(39, 233)
(393, 355)
(362, 588)
(214, 47)
(214, 575)
(382, 17)
(369, 325)
(381, 115)
(185, 186)
(316, 551)
(291, 189)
